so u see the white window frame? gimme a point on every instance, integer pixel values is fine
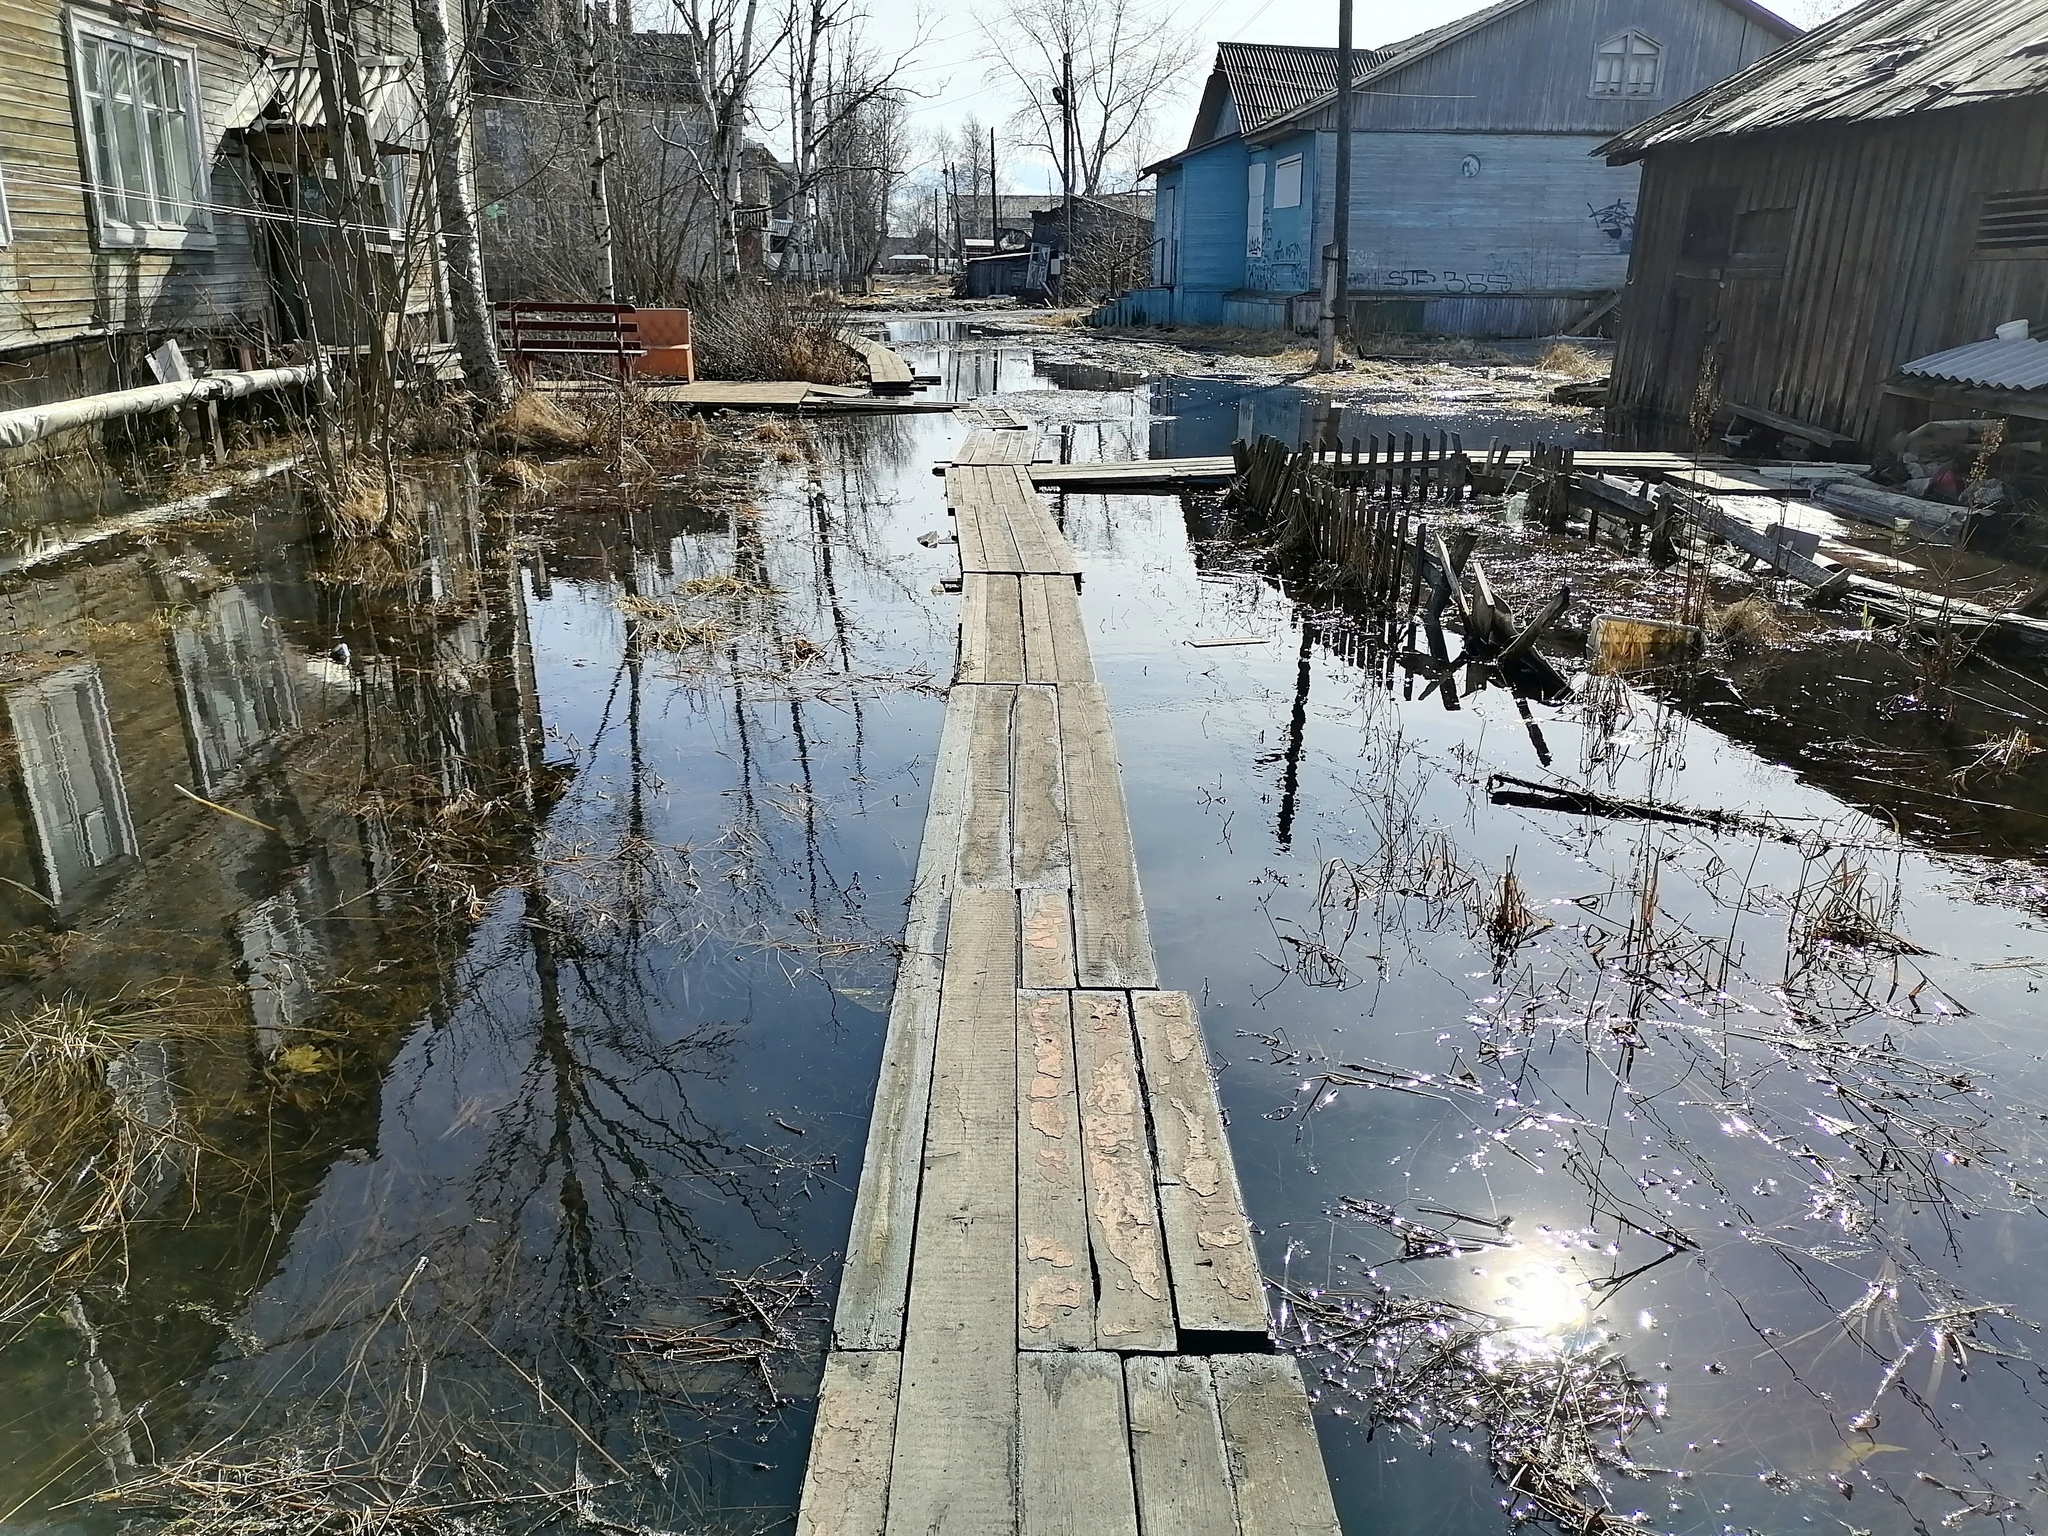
(1285, 196)
(6, 224)
(155, 232)
(1617, 74)
(1255, 209)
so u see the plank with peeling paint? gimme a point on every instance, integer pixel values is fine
(846, 1481)
(1133, 1299)
(1055, 1276)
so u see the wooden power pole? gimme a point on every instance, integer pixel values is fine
(1337, 255)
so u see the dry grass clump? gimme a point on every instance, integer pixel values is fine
(1999, 758)
(1748, 626)
(726, 586)
(1579, 362)
(746, 330)
(91, 1135)
(1509, 920)
(517, 474)
(359, 505)
(787, 441)
(538, 423)
(666, 625)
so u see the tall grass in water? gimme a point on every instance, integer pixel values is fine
(761, 331)
(91, 1135)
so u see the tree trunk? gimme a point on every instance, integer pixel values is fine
(476, 338)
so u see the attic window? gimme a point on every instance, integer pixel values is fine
(2013, 221)
(1628, 66)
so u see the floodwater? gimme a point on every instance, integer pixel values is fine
(482, 1126)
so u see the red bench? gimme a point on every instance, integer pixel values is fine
(530, 329)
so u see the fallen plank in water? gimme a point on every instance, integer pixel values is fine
(1507, 789)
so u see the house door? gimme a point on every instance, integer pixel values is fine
(1692, 379)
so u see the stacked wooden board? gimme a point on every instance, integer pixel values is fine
(1051, 1317)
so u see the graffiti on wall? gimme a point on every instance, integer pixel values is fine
(1424, 280)
(1617, 221)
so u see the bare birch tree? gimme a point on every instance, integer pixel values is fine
(1128, 58)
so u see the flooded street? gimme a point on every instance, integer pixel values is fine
(442, 991)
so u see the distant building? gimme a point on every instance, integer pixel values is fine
(167, 173)
(1477, 207)
(1816, 232)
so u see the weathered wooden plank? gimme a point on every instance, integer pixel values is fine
(1039, 802)
(962, 496)
(953, 1472)
(1209, 1252)
(846, 1481)
(1048, 938)
(1113, 943)
(998, 542)
(1275, 1463)
(1055, 641)
(876, 1277)
(1133, 1300)
(1177, 1458)
(1074, 1462)
(974, 638)
(985, 833)
(1055, 1277)
(1004, 635)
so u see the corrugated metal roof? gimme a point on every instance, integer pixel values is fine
(1885, 59)
(1269, 80)
(286, 98)
(1988, 364)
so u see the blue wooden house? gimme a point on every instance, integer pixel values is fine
(1478, 205)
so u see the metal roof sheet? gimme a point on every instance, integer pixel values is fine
(1269, 80)
(1988, 365)
(1883, 60)
(282, 98)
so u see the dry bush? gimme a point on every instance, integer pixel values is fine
(2000, 757)
(1579, 362)
(358, 506)
(517, 474)
(1747, 627)
(761, 331)
(536, 423)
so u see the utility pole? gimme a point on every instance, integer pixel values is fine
(1337, 255)
(995, 215)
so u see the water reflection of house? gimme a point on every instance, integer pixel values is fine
(235, 687)
(70, 780)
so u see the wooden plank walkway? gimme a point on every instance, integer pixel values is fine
(888, 372)
(1177, 474)
(1051, 1318)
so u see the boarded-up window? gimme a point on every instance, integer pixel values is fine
(1763, 235)
(1287, 182)
(1255, 209)
(2013, 221)
(1630, 65)
(1709, 224)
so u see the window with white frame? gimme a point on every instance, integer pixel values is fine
(139, 101)
(1287, 182)
(6, 229)
(1629, 66)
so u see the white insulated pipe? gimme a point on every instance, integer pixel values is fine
(33, 423)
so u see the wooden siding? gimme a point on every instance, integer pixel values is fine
(56, 286)
(1212, 218)
(1877, 269)
(1532, 71)
(1542, 218)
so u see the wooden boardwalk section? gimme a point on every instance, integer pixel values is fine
(888, 372)
(1051, 1318)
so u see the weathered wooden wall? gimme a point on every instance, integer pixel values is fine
(1877, 265)
(74, 317)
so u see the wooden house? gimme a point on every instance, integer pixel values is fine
(1477, 206)
(166, 172)
(1874, 194)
